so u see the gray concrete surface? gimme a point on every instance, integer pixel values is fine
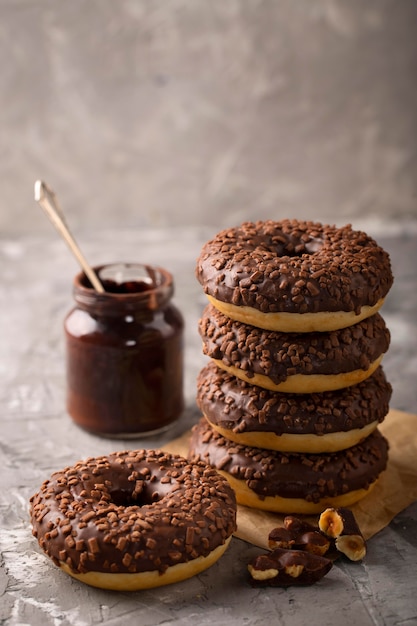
(183, 112)
(37, 437)
(158, 123)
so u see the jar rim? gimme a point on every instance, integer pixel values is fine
(159, 290)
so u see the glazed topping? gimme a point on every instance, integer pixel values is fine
(292, 475)
(294, 266)
(238, 406)
(132, 512)
(279, 355)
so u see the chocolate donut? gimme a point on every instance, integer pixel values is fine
(318, 422)
(294, 362)
(292, 482)
(134, 520)
(294, 276)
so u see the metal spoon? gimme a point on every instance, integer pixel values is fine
(48, 201)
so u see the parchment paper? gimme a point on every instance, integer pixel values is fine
(394, 491)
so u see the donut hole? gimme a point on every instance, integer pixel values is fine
(299, 247)
(132, 497)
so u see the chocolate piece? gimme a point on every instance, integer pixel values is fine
(280, 355)
(312, 541)
(341, 525)
(292, 475)
(294, 266)
(298, 535)
(281, 537)
(297, 526)
(284, 568)
(238, 406)
(132, 511)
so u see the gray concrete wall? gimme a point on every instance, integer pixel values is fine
(171, 112)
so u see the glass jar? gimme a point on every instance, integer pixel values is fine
(124, 352)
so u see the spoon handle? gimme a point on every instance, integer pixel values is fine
(48, 201)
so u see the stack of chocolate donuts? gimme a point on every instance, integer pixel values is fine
(294, 390)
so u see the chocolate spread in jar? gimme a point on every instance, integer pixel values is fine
(125, 352)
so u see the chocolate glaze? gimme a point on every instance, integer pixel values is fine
(130, 512)
(238, 406)
(292, 475)
(294, 266)
(279, 355)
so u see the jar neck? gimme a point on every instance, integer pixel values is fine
(126, 296)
